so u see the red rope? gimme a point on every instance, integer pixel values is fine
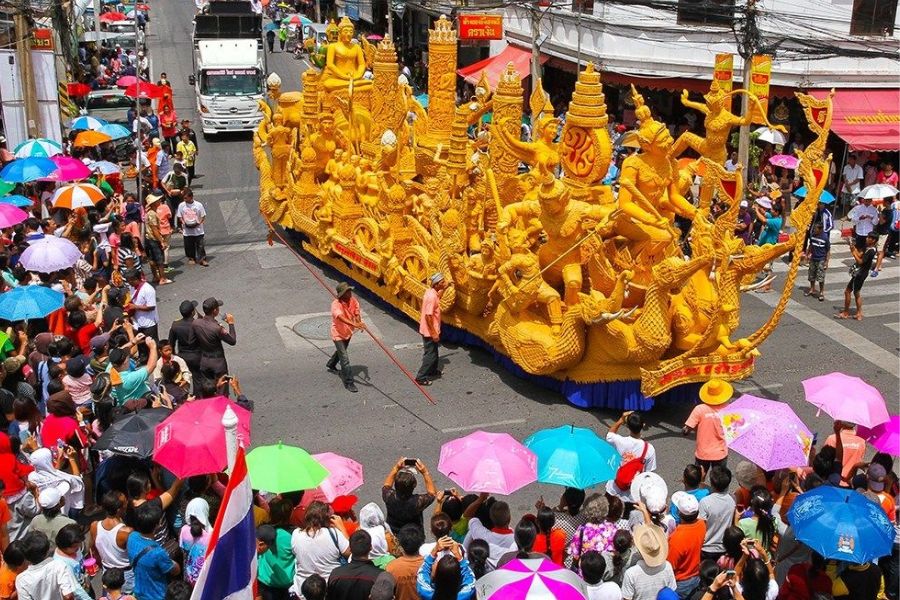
(324, 284)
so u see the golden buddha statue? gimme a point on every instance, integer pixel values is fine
(345, 62)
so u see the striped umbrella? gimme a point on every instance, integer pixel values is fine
(77, 195)
(38, 147)
(86, 122)
(105, 167)
(116, 132)
(17, 200)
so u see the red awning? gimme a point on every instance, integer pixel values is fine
(866, 119)
(495, 65)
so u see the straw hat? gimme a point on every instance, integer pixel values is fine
(716, 391)
(651, 542)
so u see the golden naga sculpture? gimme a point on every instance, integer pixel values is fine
(547, 265)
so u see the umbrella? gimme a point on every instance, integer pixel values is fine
(11, 216)
(345, 475)
(105, 167)
(38, 147)
(6, 187)
(885, 437)
(846, 398)
(773, 136)
(488, 462)
(86, 122)
(87, 139)
(112, 17)
(825, 197)
(29, 302)
(272, 27)
(115, 131)
(767, 433)
(296, 20)
(878, 191)
(68, 169)
(77, 195)
(50, 254)
(281, 468)
(573, 457)
(127, 80)
(841, 524)
(374, 37)
(784, 160)
(144, 90)
(531, 579)
(76, 90)
(192, 441)
(422, 99)
(23, 170)
(132, 435)
(17, 200)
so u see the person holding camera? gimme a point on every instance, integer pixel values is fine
(403, 506)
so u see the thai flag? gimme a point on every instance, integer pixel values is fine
(229, 572)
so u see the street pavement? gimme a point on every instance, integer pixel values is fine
(282, 320)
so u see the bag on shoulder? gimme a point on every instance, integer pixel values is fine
(333, 535)
(628, 471)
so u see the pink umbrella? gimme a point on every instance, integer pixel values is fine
(846, 398)
(766, 432)
(127, 80)
(345, 475)
(191, 441)
(885, 437)
(68, 169)
(488, 462)
(11, 216)
(784, 160)
(531, 579)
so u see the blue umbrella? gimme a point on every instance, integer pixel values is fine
(85, 122)
(573, 456)
(23, 170)
(423, 100)
(841, 524)
(29, 302)
(116, 132)
(825, 197)
(17, 200)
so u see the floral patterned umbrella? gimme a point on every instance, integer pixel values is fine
(766, 432)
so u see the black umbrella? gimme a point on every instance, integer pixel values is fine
(133, 434)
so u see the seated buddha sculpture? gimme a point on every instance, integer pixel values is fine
(344, 62)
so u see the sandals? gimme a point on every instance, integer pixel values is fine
(423, 382)
(807, 293)
(821, 297)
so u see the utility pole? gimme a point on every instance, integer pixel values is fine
(390, 20)
(26, 75)
(318, 11)
(535, 46)
(747, 49)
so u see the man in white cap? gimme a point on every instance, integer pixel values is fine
(430, 329)
(685, 543)
(51, 519)
(652, 573)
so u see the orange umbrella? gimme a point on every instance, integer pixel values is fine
(687, 163)
(87, 139)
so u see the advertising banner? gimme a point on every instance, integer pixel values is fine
(760, 76)
(480, 27)
(724, 71)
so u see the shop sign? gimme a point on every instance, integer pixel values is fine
(723, 72)
(481, 27)
(42, 39)
(760, 76)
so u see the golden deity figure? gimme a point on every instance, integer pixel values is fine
(648, 185)
(718, 123)
(282, 141)
(528, 288)
(345, 62)
(542, 154)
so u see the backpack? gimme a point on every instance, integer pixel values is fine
(629, 470)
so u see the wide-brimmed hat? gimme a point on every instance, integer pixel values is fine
(716, 391)
(152, 198)
(342, 288)
(651, 489)
(652, 544)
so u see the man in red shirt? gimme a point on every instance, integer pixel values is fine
(430, 329)
(854, 449)
(685, 544)
(345, 318)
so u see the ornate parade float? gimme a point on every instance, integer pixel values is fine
(585, 291)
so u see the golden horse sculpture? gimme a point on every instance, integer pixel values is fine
(567, 279)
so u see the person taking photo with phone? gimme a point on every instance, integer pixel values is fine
(403, 506)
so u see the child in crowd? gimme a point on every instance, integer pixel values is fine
(113, 581)
(819, 253)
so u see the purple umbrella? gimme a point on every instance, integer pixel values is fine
(885, 437)
(11, 216)
(846, 398)
(531, 579)
(766, 432)
(784, 160)
(50, 254)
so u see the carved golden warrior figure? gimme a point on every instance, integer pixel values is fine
(717, 122)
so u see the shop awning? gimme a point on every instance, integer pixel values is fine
(866, 119)
(495, 65)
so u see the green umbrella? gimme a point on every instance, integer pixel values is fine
(281, 468)
(6, 187)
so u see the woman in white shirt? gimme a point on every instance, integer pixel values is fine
(320, 546)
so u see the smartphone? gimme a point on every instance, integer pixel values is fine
(815, 439)
(410, 462)
(448, 492)
(228, 378)
(61, 445)
(730, 574)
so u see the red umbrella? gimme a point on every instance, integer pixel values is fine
(144, 90)
(145, 7)
(112, 17)
(75, 90)
(191, 441)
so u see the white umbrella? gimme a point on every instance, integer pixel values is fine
(50, 254)
(879, 191)
(531, 579)
(773, 136)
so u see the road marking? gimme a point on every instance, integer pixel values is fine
(415, 345)
(895, 326)
(880, 309)
(868, 291)
(832, 328)
(237, 217)
(223, 191)
(240, 247)
(483, 425)
(762, 387)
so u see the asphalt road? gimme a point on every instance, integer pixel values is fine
(281, 314)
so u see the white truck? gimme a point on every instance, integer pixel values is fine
(229, 68)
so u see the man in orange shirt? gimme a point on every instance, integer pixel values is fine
(854, 449)
(876, 477)
(704, 419)
(685, 544)
(430, 329)
(406, 567)
(345, 317)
